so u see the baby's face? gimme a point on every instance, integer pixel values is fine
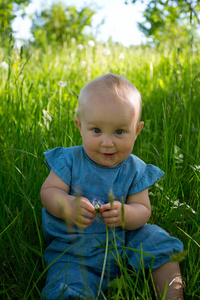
(109, 128)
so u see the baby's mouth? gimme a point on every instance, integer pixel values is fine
(109, 155)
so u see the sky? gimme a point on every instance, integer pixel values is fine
(120, 20)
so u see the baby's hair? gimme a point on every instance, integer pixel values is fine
(109, 82)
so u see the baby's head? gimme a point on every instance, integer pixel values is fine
(117, 85)
(109, 114)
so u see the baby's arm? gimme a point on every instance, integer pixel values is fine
(57, 201)
(137, 212)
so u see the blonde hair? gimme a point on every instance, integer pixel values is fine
(109, 82)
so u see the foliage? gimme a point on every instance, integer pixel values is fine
(7, 14)
(171, 21)
(38, 104)
(59, 24)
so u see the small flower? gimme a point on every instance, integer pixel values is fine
(107, 52)
(91, 43)
(121, 56)
(80, 47)
(62, 83)
(97, 204)
(15, 65)
(97, 208)
(4, 65)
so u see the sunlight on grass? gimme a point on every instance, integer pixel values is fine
(38, 94)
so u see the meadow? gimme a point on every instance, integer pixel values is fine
(38, 94)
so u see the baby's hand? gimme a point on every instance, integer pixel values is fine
(82, 212)
(112, 214)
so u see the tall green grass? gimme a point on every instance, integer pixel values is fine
(38, 105)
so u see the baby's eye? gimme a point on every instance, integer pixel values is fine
(96, 130)
(119, 131)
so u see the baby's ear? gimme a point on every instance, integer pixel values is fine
(78, 123)
(139, 127)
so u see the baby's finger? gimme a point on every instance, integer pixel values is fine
(111, 222)
(87, 205)
(106, 214)
(84, 222)
(85, 212)
(105, 207)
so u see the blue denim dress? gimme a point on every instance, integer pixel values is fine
(75, 256)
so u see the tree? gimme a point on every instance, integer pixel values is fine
(170, 21)
(8, 9)
(59, 24)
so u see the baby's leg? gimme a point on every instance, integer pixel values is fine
(168, 275)
(68, 280)
(64, 281)
(158, 244)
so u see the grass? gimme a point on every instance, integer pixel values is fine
(38, 104)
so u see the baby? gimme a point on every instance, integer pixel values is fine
(108, 119)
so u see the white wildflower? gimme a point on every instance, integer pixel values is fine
(196, 168)
(121, 56)
(80, 47)
(178, 156)
(4, 65)
(73, 40)
(107, 52)
(47, 115)
(47, 118)
(91, 43)
(83, 63)
(62, 83)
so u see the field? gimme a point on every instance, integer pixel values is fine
(38, 93)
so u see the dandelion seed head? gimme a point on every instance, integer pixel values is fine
(121, 57)
(91, 43)
(4, 65)
(80, 47)
(97, 204)
(62, 83)
(106, 52)
(83, 63)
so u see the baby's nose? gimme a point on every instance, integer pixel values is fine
(107, 141)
